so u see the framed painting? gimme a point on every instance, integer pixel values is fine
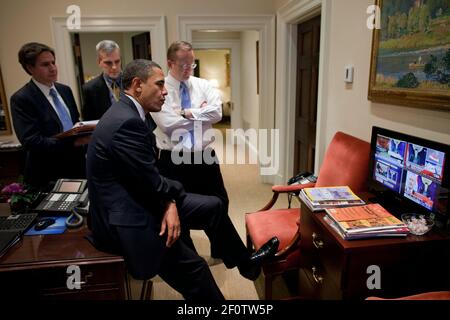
(410, 63)
(5, 123)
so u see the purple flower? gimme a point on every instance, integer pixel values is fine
(13, 188)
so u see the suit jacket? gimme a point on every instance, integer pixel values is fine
(127, 194)
(96, 98)
(35, 123)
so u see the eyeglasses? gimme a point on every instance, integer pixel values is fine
(188, 66)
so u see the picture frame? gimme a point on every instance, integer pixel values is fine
(410, 59)
(5, 122)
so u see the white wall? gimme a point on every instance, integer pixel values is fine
(345, 40)
(348, 108)
(249, 96)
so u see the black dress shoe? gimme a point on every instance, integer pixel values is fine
(266, 251)
(250, 270)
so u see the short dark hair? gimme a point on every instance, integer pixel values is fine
(177, 46)
(141, 68)
(29, 53)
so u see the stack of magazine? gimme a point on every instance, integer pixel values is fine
(363, 222)
(321, 198)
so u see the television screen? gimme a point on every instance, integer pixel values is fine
(413, 168)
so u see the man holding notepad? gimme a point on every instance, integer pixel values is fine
(40, 110)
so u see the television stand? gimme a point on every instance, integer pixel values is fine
(333, 268)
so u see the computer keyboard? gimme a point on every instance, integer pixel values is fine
(18, 222)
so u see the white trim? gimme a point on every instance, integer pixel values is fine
(265, 25)
(288, 17)
(63, 47)
(234, 46)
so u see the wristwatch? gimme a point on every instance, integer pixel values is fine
(183, 113)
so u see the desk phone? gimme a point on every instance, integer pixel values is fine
(66, 195)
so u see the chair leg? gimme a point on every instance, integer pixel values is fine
(128, 286)
(146, 291)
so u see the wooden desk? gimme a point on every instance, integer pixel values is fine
(333, 268)
(37, 267)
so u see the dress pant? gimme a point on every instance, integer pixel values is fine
(182, 268)
(202, 178)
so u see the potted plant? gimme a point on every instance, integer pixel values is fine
(19, 196)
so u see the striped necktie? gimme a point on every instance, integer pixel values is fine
(63, 115)
(115, 90)
(186, 104)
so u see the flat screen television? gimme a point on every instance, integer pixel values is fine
(410, 173)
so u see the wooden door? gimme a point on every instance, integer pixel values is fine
(142, 46)
(76, 46)
(308, 48)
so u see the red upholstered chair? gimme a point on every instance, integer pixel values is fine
(435, 295)
(346, 162)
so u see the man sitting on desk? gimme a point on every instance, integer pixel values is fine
(40, 110)
(144, 216)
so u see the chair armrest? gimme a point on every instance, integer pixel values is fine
(277, 189)
(291, 188)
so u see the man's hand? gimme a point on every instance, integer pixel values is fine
(204, 104)
(171, 223)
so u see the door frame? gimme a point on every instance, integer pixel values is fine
(235, 47)
(265, 25)
(288, 17)
(63, 46)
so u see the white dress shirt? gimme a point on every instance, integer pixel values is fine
(138, 107)
(169, 118)
(46, 91)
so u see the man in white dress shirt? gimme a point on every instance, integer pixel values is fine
(191, 103)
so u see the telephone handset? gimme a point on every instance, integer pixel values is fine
(65, 196)
(302, 178)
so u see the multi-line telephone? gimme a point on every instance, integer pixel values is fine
(65, 196)
(303, 178)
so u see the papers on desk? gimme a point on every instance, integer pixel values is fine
(9, 144)
(57, 228)
(320, 198)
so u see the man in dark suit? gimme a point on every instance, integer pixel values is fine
(142, 215)
(101, 92)
(41, 109)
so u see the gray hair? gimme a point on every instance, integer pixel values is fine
(140, 68)
(106, 46)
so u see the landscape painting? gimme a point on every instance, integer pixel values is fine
(411, 54)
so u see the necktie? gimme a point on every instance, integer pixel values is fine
(186, 104)
(115, 89)
(64, 116)
(184, 94)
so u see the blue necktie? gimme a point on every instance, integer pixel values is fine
(64, 116)
(186, 103)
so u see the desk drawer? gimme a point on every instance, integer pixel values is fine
(89, 274)
(315, 283)
(318, 248)
(97, 281)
